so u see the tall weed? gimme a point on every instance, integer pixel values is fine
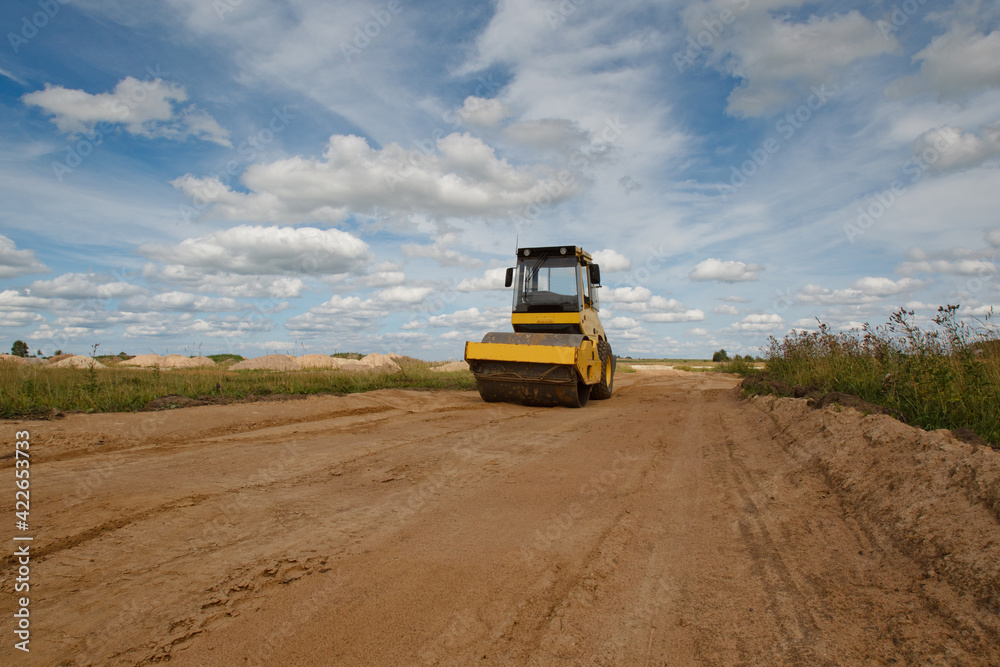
(945, 377)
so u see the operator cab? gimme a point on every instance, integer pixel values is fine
(559, 279)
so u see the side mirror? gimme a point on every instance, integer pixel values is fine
(509, 278)
(595, 274)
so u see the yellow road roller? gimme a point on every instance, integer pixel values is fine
(558, 353)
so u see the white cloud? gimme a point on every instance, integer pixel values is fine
(16, 320)
(725, 309)
(778, 59)
(628, 294)
(611, 261)
(620, 323)
(758, 322)
(725, 271)
(338, 315)
(548, 133)
(887, 286)
(381, 279)
(199, 279)
(493, 279)
(267, 250)
(463, 178)
(993, 238)
(735, 299)
(812, 293)
(483, 112)
(14, 262)
(402, 295)
(971, 264)
(691, 315)
(182, 301)
(961, 150)
(146, 108)
(472, 319)
(11, 300)
(954, 65)
(83, 286)
(441, 253)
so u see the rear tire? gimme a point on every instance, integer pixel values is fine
(602, 390)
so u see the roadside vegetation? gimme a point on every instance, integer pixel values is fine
(37, 390)
(943, 377)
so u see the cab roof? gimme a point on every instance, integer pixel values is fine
(554, 251)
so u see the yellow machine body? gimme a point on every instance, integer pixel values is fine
(558, 353)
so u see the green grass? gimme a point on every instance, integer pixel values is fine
(945, 377)
(226, 359)
(36, 390)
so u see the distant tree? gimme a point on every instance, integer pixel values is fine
(19, 348)
(57, 353)
(720, 356)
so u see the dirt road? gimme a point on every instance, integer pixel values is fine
(670, 525)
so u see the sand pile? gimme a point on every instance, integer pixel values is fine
(78, 361)
(317, 361)
(58, 357)
(10, 358)
(933, 497)
(269, 362)
(371, 362)
(451, 366)
(378, 362)
(143, 361)
(180, 361)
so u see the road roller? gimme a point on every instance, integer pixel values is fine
(558, 353)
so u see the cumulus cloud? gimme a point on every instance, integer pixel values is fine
(381, 279)
(956, 150)
(182, 301)
(628, 294)
(14, 262)
(150, 108)
(339, 314)
(779, 59)
(955, 261)
(549, 133)
(464, 177)
(954, 65)
(441, 253)
(483, 112)
(817, 294)
(757, 322)
(253, 250)
(689, 315)
(725, 271)
(401, 294)
(652, 308)
(611, 261)
(472, 318)
(201, 279)
(83, 286)
(887, 286)
(493, 279)
(725, 309)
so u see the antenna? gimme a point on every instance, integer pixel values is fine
(516, 246)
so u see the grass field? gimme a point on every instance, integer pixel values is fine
(37, 390)
(945, 377)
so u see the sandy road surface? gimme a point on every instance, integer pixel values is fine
(666, 526)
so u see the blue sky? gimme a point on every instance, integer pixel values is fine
(301, 176)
